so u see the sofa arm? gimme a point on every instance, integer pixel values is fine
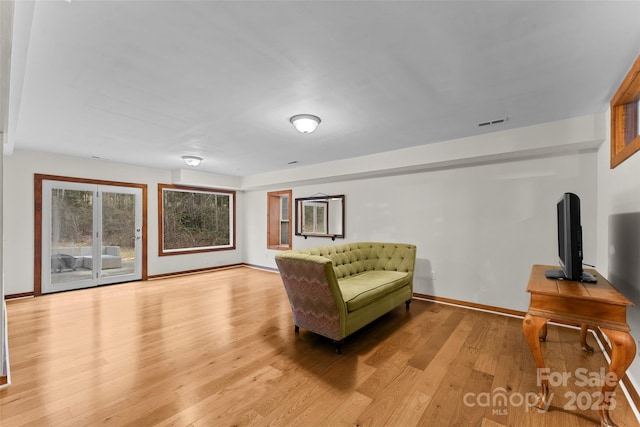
(313, 292)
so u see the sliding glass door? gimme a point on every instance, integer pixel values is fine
(91, 235)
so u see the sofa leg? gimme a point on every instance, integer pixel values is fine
(406, 303)
(296, 329)
(338, 346)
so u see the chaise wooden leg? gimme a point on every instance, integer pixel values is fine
(338, 346)
(296, 329)
(406, 303)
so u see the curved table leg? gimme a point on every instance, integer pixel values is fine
(532, 327)
(623, 350)
(584, 328)
(543, 333)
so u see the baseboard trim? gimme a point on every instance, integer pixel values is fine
(261, 267)
(472, 305)
(188, 272)
(21, 295)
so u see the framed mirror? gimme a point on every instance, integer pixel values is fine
(320, 216)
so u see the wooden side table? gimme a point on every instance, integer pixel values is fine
(587, 304)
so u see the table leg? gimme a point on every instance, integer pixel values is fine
(623, 350)
(583, 338)
(532, 326)
(543, 333)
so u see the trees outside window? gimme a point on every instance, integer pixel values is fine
(195, 219)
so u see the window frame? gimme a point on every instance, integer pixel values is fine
(185, 188)
(625, 141)
(274, 219)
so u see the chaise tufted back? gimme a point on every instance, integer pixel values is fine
(353, 258)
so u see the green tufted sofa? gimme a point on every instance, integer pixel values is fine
(336, 290)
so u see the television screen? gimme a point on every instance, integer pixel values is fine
(569, 241)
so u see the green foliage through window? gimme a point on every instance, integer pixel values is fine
(196, 219)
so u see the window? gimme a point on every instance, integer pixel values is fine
(194, 219)
(279, 220)
(315, 218)
(625, 116)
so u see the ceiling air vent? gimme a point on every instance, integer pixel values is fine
(492, 122)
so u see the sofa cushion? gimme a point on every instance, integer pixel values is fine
(362, 289)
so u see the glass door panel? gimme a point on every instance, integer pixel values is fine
(91, 235)
(71, 235)
(121, 234)
(67, 231)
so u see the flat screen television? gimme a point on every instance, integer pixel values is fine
(569, 242)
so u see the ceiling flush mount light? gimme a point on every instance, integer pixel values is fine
(305, 123)
(192, 160)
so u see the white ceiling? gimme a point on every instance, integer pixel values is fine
(144, 82)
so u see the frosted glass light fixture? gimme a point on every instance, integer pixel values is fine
(305, 123)
(192, 160)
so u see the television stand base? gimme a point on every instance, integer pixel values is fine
(559, 275)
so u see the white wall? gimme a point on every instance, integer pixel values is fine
(479, 228)
(619, 235)
(19, 172)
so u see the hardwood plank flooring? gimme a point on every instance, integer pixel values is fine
(219, 349)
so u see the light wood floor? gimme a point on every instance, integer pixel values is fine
(219, 349)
